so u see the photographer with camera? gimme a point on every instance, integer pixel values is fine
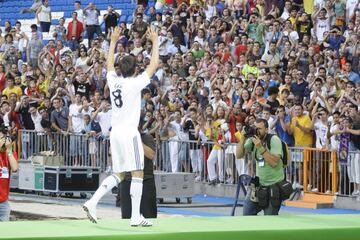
(7, 162)
(266, 191)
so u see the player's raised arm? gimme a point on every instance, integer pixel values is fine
(114, 38)
(154, 62)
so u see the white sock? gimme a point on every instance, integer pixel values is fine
(136, 193)
(105, 187)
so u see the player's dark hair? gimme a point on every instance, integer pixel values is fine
(127, 66)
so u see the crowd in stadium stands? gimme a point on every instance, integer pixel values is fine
(223, 65)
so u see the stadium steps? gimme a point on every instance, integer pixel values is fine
(313, 201)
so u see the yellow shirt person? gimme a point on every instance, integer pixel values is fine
(302, 138)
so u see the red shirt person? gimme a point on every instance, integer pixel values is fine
(75, 28)
(8, 164)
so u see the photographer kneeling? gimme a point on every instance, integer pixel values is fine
(266, 191)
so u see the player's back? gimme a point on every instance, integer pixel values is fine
(125, 95)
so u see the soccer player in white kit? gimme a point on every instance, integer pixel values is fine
(125, 141)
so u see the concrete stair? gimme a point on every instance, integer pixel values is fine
(312, 200)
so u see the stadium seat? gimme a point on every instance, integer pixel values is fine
(129, 19)
(122, 18)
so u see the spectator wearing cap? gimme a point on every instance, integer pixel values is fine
(92, 14)
(74, 31)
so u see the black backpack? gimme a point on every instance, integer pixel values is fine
(285, 150)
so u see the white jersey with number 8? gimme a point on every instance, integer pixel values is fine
(125, 141)
(125, 95)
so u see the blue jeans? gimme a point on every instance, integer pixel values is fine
(252, 208)
(73, 44)
(4, 211)
(45, 26)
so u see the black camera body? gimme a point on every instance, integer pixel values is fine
(4, 129)
(250, 131)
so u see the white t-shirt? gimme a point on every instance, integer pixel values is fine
(37, 122)
(292, 35)
(88, 112)
(350, 6)
(322, 25)
(104, 119)
(334, 141)
(76, 118)
(44, 15)
(319, 3)
(321, 134)
(125, 94)
(82, 63)
(176, 127)
(270, 122)
(80, 16)
(210, 12)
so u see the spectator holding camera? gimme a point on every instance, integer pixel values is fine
(111, 19)
(8, 164)
(269, 169)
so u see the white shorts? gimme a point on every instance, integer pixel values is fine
(126, 150)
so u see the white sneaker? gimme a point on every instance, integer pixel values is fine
(141, 222)
(315, 190)
(356, 192)
(108, 170)
(328, 192)
(230, 180)
(90, 211)
(198, 179)
(297, 185)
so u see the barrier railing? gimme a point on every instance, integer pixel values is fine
(208, 160)
(348, 173)
(211, 162)
(320, 171)
(76, 149)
